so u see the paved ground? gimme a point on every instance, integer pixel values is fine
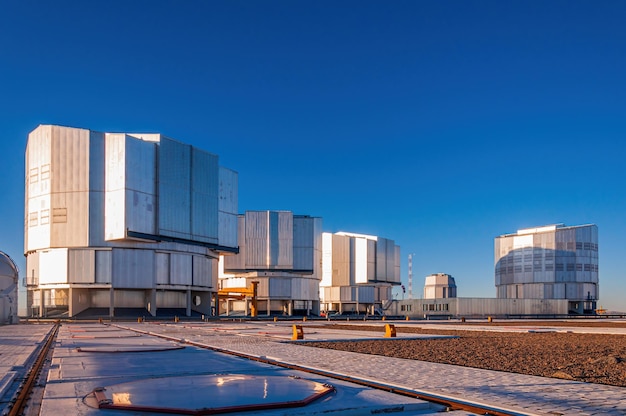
(521, 393)
(77, 369)
(18, 344)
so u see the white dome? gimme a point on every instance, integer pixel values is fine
(7, 266)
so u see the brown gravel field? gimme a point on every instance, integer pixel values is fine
(592, 358)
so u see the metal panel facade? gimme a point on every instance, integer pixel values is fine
(174, 188)
(82, 266)
(133, 268)
(281, 240)
(257, 239)
(303, 243)
(180, 269)
(202, 271)
(204, 196)
(227, 207)
(104, 266)
(162, 268)
(53, 266)
(341, 260)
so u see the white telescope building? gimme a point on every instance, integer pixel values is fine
(358, 272)
(282, 252)
(123, 223)
(550, 262)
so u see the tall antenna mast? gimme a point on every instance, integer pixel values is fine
(410, 276)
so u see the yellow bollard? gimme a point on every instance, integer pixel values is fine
(276, 319)
(407, 318)
(176, 319)
(384, 318)
(298, 333)
(462, 319)
(304, 319)
(99, 320)
(489, 319)
(139, 320)
(390, 331)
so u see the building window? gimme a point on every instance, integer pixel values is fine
(45, 216)
(570, 267)
(587, 267)
(518, 269)
(559, 267)
(33, 219)
(579, 245)
(549, 267)
(59, 215)
(579, 267)
(45, 172)
(571, 245)
(528, 267)
(34, 175)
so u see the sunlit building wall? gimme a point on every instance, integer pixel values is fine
(282, 252)
(358, 272)
(123, 221)
(550, 262)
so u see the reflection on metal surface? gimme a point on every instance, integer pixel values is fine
(208, 394)
(130, 348)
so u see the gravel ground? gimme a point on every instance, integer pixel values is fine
(592, 358)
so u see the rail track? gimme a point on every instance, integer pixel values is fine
(25, 391)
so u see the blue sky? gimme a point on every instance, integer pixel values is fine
(439, 124)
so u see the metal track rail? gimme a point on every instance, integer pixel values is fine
(25, 392)
(449, 402)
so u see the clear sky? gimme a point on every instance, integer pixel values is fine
(438, 124)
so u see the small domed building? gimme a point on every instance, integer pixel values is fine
(8, 290)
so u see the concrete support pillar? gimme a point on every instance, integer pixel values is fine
(188, 296)
(269, 307)
(111, 303)
(152, 303)
(42, 302)
(290, 308)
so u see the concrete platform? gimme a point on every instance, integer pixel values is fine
(113, 355)
(148, 377)
(519, 393)
(18, 346)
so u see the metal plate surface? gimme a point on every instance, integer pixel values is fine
(207, 394)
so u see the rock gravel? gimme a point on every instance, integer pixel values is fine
(591, 358)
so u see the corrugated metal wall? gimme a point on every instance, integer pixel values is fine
(162, 268)
(104, 266)
(202, 271)
(204, 196)
(228, 207)
(174, 188)
(180, 269)
(82, 266)
(303, 243)
(133, 268)
(256, 239)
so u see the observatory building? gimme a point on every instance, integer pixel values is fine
(125, 222)
(358, 272)
(8, 290)
(282, 252)
(439, 286)
(550, 262)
